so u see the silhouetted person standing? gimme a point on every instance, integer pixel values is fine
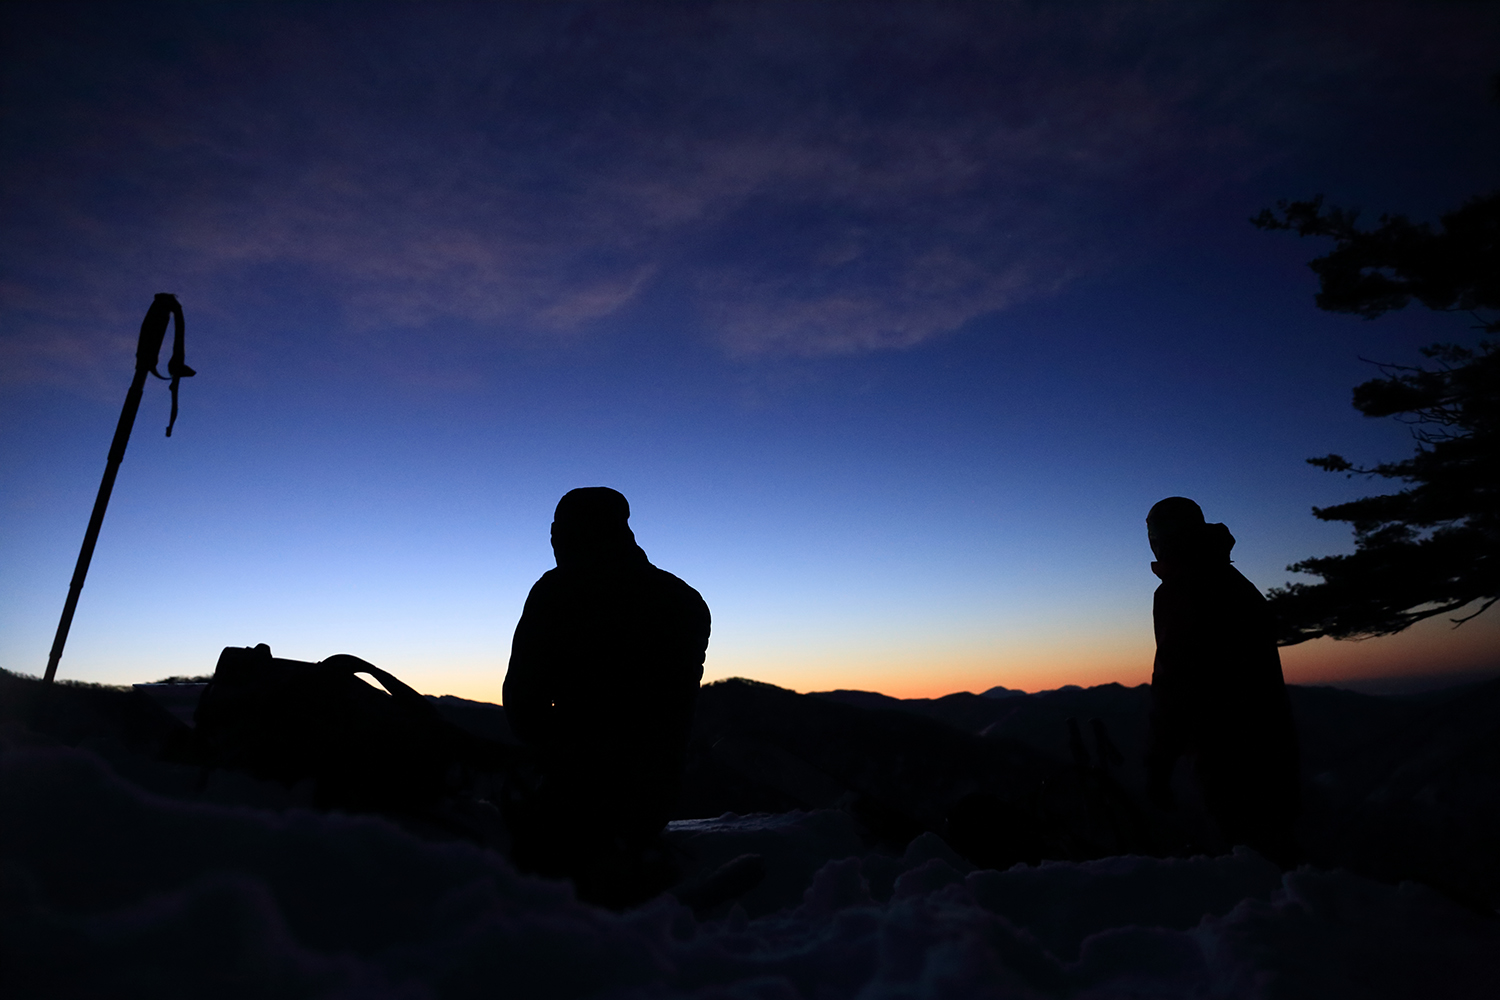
(1217, 692)
(604, 671)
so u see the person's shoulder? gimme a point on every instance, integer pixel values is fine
(666, 579)
(1177, 588)
(1244, 586)
(546, 584)
(671, 583)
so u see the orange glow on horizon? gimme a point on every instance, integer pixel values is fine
(915, 673)
(1430, 648)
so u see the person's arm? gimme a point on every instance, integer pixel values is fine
(1170, 709)
(702, 626)
(527, 693)
(680, 670)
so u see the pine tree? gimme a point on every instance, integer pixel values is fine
(1433, 547)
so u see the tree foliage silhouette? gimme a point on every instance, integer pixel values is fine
(1434, 546)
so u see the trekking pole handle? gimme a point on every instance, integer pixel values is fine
(148, 350)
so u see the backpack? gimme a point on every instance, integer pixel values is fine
(364, 749)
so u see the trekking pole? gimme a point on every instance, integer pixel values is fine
(147, 356)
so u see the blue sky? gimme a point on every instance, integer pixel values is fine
(890, 320)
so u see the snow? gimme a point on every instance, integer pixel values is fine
(107, 889)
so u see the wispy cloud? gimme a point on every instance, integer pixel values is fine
(816, 180)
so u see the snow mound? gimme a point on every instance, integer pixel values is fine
(108, 890)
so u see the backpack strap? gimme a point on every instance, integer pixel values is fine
(405, 696)
(485, 753)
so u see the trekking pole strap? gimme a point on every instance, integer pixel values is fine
(148, 352)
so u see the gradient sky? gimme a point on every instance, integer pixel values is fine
(891, 320)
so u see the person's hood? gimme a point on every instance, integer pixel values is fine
(594, 546)
(1194, 552)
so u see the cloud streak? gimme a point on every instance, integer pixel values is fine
(809, 180)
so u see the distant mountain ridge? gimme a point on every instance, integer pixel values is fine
(1395, 787)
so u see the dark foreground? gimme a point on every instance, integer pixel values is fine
(964, 846)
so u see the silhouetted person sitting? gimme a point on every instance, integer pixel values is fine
(1217, 692)
(604, 670)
